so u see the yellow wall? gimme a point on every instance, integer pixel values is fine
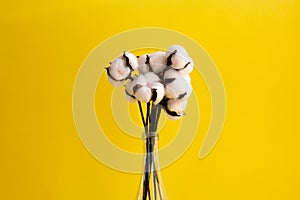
(255, 45)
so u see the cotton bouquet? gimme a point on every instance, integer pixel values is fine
(162, 82)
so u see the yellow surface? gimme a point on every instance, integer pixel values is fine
(255, 45)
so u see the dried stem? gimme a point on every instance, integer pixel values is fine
(150, 126)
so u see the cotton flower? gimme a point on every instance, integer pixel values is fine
(157, 88)
(176, 87)
(158, 92)
(187, 69)
(178, 48)
(143, 94)
(132, 89)
(178, 58)
(158, 61)
(174, 108)
(129, 90)
(144, 63)
(131, 60)
(144, 88)
(117, 72)
(141, 91)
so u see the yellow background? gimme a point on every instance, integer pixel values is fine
(255, 45)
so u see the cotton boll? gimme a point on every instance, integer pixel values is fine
(151, 77)
(130, 60)
(180, 62)
(158, 92)
(154, 82)
(179, 49)
(187, 69)
(178, 58)
(178, 89)
(143, 59)
(172, 79)
(129, 91)
(143, 62)
(143, 94)
(118, 70)
(158, 61)
(176, 85)
(175, 105)
(173, 108)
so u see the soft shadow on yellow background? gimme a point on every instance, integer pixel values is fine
(255, 45)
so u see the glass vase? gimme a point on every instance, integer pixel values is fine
(152, 187)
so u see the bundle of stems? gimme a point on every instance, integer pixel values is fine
(150, 122)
